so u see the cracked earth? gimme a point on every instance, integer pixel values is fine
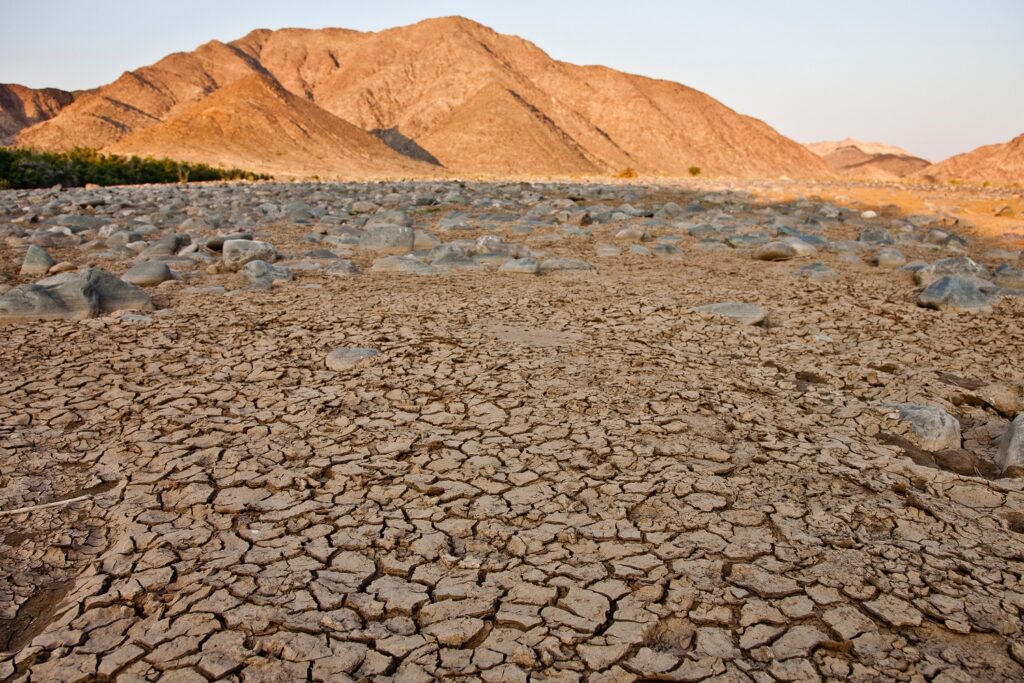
(558, 477)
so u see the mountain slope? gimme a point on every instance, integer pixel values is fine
(1002, 164)
(21, 107)
(853, 161)
(826, 147)
(257, 124)
(478, 101)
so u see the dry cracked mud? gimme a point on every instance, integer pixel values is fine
(557, 477)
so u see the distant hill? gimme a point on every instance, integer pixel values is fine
(867, 160)
(21, 107)
(445, 90)
(1000, 164)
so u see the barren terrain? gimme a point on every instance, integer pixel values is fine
(552, 468)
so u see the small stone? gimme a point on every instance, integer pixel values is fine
(346, 357)
(745, 314)
(775, 251)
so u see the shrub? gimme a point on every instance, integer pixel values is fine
(694, 171)
(626, 173)
(27, 169)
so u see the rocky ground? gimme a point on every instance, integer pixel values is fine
(518, 453)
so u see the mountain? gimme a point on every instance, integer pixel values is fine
(1001, 164)
(447, 90)
(827, 147)
(256, 118)
(867, 160)
(21, 107)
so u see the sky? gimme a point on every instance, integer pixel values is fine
(936, 77)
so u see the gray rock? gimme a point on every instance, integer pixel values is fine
(1011, 445)
(608, 250)
(74, 296)
(817, 271)
(526, 265)
(956, 265)
(747, 240)
(875, 236)
(448, 257)
(236, 253)
(342, 267)
(403, 264)
(216, 243)
(168, 245)
(954, 293)
(931, 429)
(560, 264)
(1009, 277)
(800, 246)
(775, 251)
(389, 239)
(261, 275)
(890, 258)
(148, 274)
(37, 261)
(745, 314)
(346, 358)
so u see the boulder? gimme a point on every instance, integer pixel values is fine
(890, 258)
(72, 296)
(389, 239)
(148, 274)
(1011, 445)
(236, 253)
(775, 251)
(37, 261)
(403, 264)
(931, 428)
(559, 264)
(956, 265)
(954, 293)
(817, 271)
(525, 266)
(342, 267)
(261, 275)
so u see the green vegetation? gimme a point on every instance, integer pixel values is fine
(694, 171)
(26, 169)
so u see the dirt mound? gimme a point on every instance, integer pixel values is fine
(479, 101)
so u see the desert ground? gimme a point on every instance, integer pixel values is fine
(517, 452)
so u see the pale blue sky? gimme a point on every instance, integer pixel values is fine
(934, 76)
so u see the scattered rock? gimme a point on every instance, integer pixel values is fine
(37, 261)
(954, 293)
(87, 294)
(148, 274)
(236, 253)
(775, 251)
(931, 429)
(346, 358)
(745, 314)
(1011, 445)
